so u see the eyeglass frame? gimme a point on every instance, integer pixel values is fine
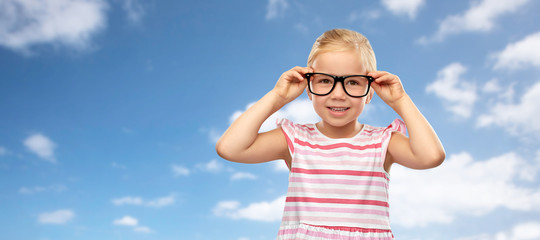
(339, 79)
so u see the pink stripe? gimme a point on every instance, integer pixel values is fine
(335, 210)
(303, 130)
(337, 201)
(339, 154)
(333, 219)
(338, 181)
(286, 129)
(337, 191)
(381, 234)
(317, 138)
(366, 130)
(306, 232)
(339, 172)
(314, 162)
(294, 234)
(354, 229)
(312, 138)
(337, 145)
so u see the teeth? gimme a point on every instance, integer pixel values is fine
(338, 109)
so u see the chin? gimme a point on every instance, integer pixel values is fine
(340, 122)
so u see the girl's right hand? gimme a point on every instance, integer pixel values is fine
(292, 83)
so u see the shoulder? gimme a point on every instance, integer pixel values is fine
(396, 126)
(290, 127)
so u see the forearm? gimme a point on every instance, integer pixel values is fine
(424, 143)
(244, 130)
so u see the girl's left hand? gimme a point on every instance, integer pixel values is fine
(388, 87)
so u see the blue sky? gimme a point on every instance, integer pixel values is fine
(110, 111)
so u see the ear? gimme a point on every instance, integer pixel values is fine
(369, 96)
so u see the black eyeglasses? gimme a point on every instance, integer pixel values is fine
(322, 84)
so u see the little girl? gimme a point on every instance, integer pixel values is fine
(338, 181)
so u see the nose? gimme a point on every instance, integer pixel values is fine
(338, 92)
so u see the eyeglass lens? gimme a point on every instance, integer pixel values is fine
(322, 84)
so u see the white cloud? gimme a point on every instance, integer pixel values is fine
(214, 135)
(180, 170)
(403, 7)
(126, 221)
(280, 166)
(522, 231)
(213, 166)
(457, 94)
(276, 8)
(516, 118)
(298, 111)
(480, 17)
(42, 146)
(37, 189)
(225, 206)
(130, 221)
(127, 201)
(162, 202)
(521, 54)
(134, 10)
(242, 175)
(142, 229)
(462, 186)
(492, 86)
(526, 231)
(260, 211)
(217, 166)
(138, 201)
(57, 217)
(72, 23)
(495, 92)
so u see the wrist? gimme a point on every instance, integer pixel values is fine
(402, 104)
(277, 100)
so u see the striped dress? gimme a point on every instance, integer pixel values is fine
(338, 188)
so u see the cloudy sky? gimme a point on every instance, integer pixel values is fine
(110, 110)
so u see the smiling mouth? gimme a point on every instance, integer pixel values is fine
(338, 109)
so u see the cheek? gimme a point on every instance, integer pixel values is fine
(318, 103)
(360, 104)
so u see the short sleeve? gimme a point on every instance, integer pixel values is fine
(288, 129)
(396, 126)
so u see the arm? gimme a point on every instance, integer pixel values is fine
(422, 149)
(243, 143)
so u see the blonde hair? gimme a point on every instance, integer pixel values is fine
(337, 40)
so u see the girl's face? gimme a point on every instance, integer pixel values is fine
(338, 109)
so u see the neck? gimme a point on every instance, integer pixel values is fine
(347, 131)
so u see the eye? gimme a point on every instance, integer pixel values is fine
(324, 81)
(356, 81)
(353, 82)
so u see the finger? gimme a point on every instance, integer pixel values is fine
(294, 76)
(387, 79)
(376, 87)
(378, 90)
(377, 74)
(303, 70)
